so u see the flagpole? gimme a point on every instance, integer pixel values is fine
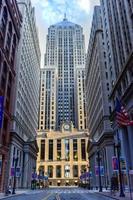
(118, 146)
(130, 190)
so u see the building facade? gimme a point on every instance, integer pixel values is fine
(64, 64)
(62, 99)
(98, 106)
(118, 33)
(10, 22)
(62, 155)
(23, 147)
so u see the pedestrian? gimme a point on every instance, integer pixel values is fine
(113, 185)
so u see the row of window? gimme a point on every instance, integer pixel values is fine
(8, 35)
(67, 171)
(59, 150)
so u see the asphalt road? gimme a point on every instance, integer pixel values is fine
(59, 194)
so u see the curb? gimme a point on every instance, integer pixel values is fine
(9, 196)
(101, 194)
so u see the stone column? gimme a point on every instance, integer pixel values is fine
(79, 170)
(62, 157)
(25, 171)
(130, 140)
(79, 150)
(46, 150)
(86, 143)
(55, 150)
(109, 154)
(54, 171)
(62, 171)
(63, 149)
(71, 150)
(125, 146)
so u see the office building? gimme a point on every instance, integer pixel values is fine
(118, 33)
(23, 146)
(62, 103)
(97, 103)
(10, 22)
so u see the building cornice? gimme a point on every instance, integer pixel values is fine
(118, 80)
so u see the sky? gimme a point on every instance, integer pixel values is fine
(49, 12)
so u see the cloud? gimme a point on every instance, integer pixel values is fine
(49, 12)
(53, 10)
(84, 5)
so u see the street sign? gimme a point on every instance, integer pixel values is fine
(12, 171)
(34, 175)
(123, 164)
(114, 163)
(130, 171)
(90, 173)
(101, 170)
(96, 171)
(18, 173)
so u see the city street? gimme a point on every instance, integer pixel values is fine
(59, 194)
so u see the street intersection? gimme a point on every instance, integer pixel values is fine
(59, 194)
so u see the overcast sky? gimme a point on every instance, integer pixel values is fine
(49, 12)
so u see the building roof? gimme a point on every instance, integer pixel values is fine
(65, 23)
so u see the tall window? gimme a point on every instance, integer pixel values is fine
(83, 149)
(50, 149)
(58, 171)
(41, 170)
(13, 50)
(9, 36)
(83, 168)
(50, 171)
(42, 150)
(67, 171)
(4, 77)
(75, 171)
(67, 149)
(58, 149)
(4, 21)
(75, 150)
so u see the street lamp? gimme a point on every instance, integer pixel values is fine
(99, 171)
(14, 182)
(89, 178)
(118, 147)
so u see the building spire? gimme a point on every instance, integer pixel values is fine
(65, 17)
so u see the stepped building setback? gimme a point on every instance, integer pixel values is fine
(62, 118)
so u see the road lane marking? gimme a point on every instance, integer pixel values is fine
(57, 197)
(49, 195)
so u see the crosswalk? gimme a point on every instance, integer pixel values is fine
(59, 191)
(62, 191)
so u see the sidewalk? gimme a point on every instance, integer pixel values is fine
(116, 196)
(18, 192)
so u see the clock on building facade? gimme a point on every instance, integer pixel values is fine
(66, 126)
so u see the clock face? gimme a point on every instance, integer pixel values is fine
(66, 126)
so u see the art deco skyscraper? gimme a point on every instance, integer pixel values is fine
(61, 138)
(62, 79)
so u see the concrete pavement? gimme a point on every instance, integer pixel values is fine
(63, 193)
